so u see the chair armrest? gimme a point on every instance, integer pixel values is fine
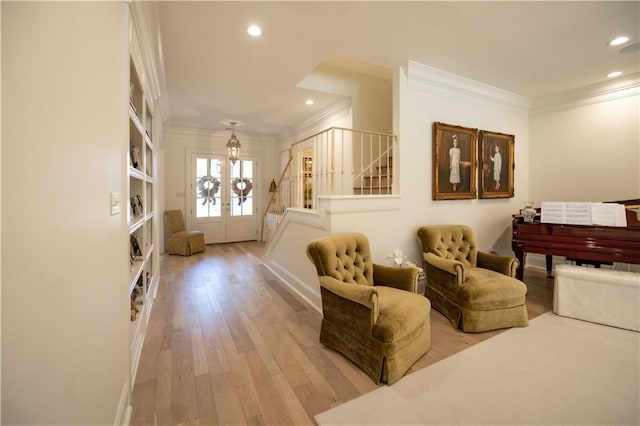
(400, 278)
(364, 295)
(505, 265)
(444, 270)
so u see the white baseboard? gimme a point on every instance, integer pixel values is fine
(311, 296)
(123, 415)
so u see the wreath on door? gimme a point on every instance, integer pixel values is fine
(241, 187)
(208, 187)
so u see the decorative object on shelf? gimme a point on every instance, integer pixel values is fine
(132, 89)
(139, 204)
(398, 258)
(137, 297)
(136, 251)
(208, 187)
(134, 309)
(242, 188)
(528, 213)
(273, 187)
(134, 206)
(137, 208)
(136, 157)
(233, 145)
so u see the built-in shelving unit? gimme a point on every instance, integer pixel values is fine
(141, 211)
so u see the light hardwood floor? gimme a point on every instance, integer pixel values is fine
(229, 344)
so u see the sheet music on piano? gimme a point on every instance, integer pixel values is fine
(583, 213)
(608, 214)
(552, 212)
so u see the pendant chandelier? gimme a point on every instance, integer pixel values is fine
(233, 145)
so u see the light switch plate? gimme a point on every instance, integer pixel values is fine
(115, 203)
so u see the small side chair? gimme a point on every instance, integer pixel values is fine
(371, 313)
(178, 239)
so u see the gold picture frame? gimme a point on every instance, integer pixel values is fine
(496, 164)
(454, 162)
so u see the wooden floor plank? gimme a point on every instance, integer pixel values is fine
(183, 390)
(206, 406)
(197, 343)
(272, 406)
(293, 405)
(228, 404)
(163, 395)
(229, 344)
(245, 389)
(143, 402)
(261, 347)
(343, 388)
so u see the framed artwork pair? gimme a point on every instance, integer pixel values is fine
(464, 156)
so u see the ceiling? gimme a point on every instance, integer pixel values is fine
(214, 72)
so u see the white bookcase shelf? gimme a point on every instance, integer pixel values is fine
(141, 202)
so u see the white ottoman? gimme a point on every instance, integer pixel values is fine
(602, 296)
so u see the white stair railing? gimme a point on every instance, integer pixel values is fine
(336, 161)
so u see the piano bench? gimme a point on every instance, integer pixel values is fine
(603, 296)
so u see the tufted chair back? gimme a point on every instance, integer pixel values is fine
(455, 242)
(345, 257)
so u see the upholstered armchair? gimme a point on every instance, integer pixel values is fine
(371, 313)
(177, 239)
(476, 291)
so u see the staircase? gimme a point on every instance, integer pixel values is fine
(379, 183)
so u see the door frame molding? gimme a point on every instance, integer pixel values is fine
(257, 187)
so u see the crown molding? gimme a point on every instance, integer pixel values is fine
(140, 16)
(606, 91)
(331, 113)
(142, 49)
(424, 77)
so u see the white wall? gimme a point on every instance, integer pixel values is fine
(587, 150)
(64, 262)
(286, 252)
(424, 96)
(370, 94)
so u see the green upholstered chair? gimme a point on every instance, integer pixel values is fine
(371, 313)
(177, 239)
(476, 291)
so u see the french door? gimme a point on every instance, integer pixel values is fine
(222, 198)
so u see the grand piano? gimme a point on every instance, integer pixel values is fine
(593, 245)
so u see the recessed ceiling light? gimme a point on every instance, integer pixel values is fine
(614, 74)
(254, 31)
(309, 102)
(618, 41)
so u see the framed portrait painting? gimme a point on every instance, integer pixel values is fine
(496, 164)
(454, 162)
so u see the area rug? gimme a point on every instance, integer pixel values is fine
(555, 371)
